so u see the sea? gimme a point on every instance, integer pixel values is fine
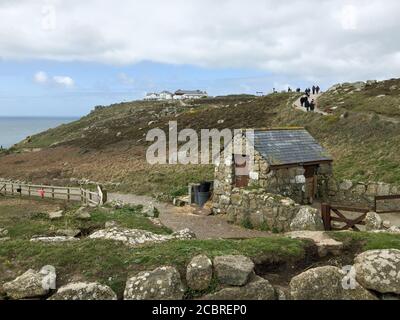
(16, 129)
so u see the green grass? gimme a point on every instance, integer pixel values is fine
(368, 241)
(110, 262)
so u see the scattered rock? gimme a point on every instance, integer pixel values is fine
(199, 273)
(346, 185)
(379, 270)
(233, 270)
(31, 284)
(55, 215)
(3, 232)
(386, 224)
(307, 218)
(82, 213)
(326, 283)
(138, 237)
(257, 289)
(68, 232)
(53, 239)
(150, 211)
(185, 234)
(163, 283)
(5, 239)
(323, 241)
(111, 224)
(373, 221)
(84, 291)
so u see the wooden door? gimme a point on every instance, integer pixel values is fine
(311, 183)
(242, 172)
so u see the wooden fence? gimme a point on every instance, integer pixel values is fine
(53, 192)
(328, 210)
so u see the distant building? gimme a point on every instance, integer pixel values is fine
(166, 95)
(190, 94)
(178, 95)
(152, 96)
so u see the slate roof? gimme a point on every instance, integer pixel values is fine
(286, 147)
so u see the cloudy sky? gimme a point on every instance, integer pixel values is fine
(60, 58)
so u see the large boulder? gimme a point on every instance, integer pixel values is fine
(327, 283)
(32, 284)
(163, 283)
(307, 219)
(257, 289)
(373, 221)
(199, 273)
(135, 237)
(379, 270)
(84, 291)
(233, 270)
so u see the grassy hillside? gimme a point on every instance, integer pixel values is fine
(109, 144)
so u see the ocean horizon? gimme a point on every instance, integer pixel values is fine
(15, 129)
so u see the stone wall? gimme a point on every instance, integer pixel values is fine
(261, 210)
(362, 194)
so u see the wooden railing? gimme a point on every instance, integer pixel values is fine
(328, 218)
(382, 198)
(54, 192)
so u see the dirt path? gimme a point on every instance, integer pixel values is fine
(177, 218)
(297, 104)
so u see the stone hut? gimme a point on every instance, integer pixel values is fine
(287, 162)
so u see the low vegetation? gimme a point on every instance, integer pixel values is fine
(109, 146)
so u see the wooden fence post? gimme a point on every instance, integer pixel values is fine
(326, 216)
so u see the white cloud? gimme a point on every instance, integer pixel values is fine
(311, 39)
(40, 77)
(64, 81)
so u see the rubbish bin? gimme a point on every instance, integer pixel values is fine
(203, 198)
(205, 187)
(196, 193)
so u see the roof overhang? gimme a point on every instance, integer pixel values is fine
(300, 164)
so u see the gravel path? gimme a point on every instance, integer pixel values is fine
(178, 218)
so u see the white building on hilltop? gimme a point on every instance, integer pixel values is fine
(178, 95)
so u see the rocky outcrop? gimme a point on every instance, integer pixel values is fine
(257, 289)
(135, 237)
(163, 283)
(84, 291)
(307, 218)
(32, 284)
(379, 270)
(199, 273)
(150, 211)
(373, 221)
(53, 239)
(327, 283)
(233, 270)
(55, 215)
(68, 232)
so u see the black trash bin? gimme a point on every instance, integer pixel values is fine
(203, 198)
(205, 187)
(196, 194)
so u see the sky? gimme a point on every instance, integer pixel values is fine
(62, 58)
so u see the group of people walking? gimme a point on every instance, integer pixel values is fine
(315, 90)
(305, 100)
(306, 103)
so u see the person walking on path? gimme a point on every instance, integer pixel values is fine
(303, 100)
(318, 89)
(312, 105)
(307, 104)
(313, 90)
